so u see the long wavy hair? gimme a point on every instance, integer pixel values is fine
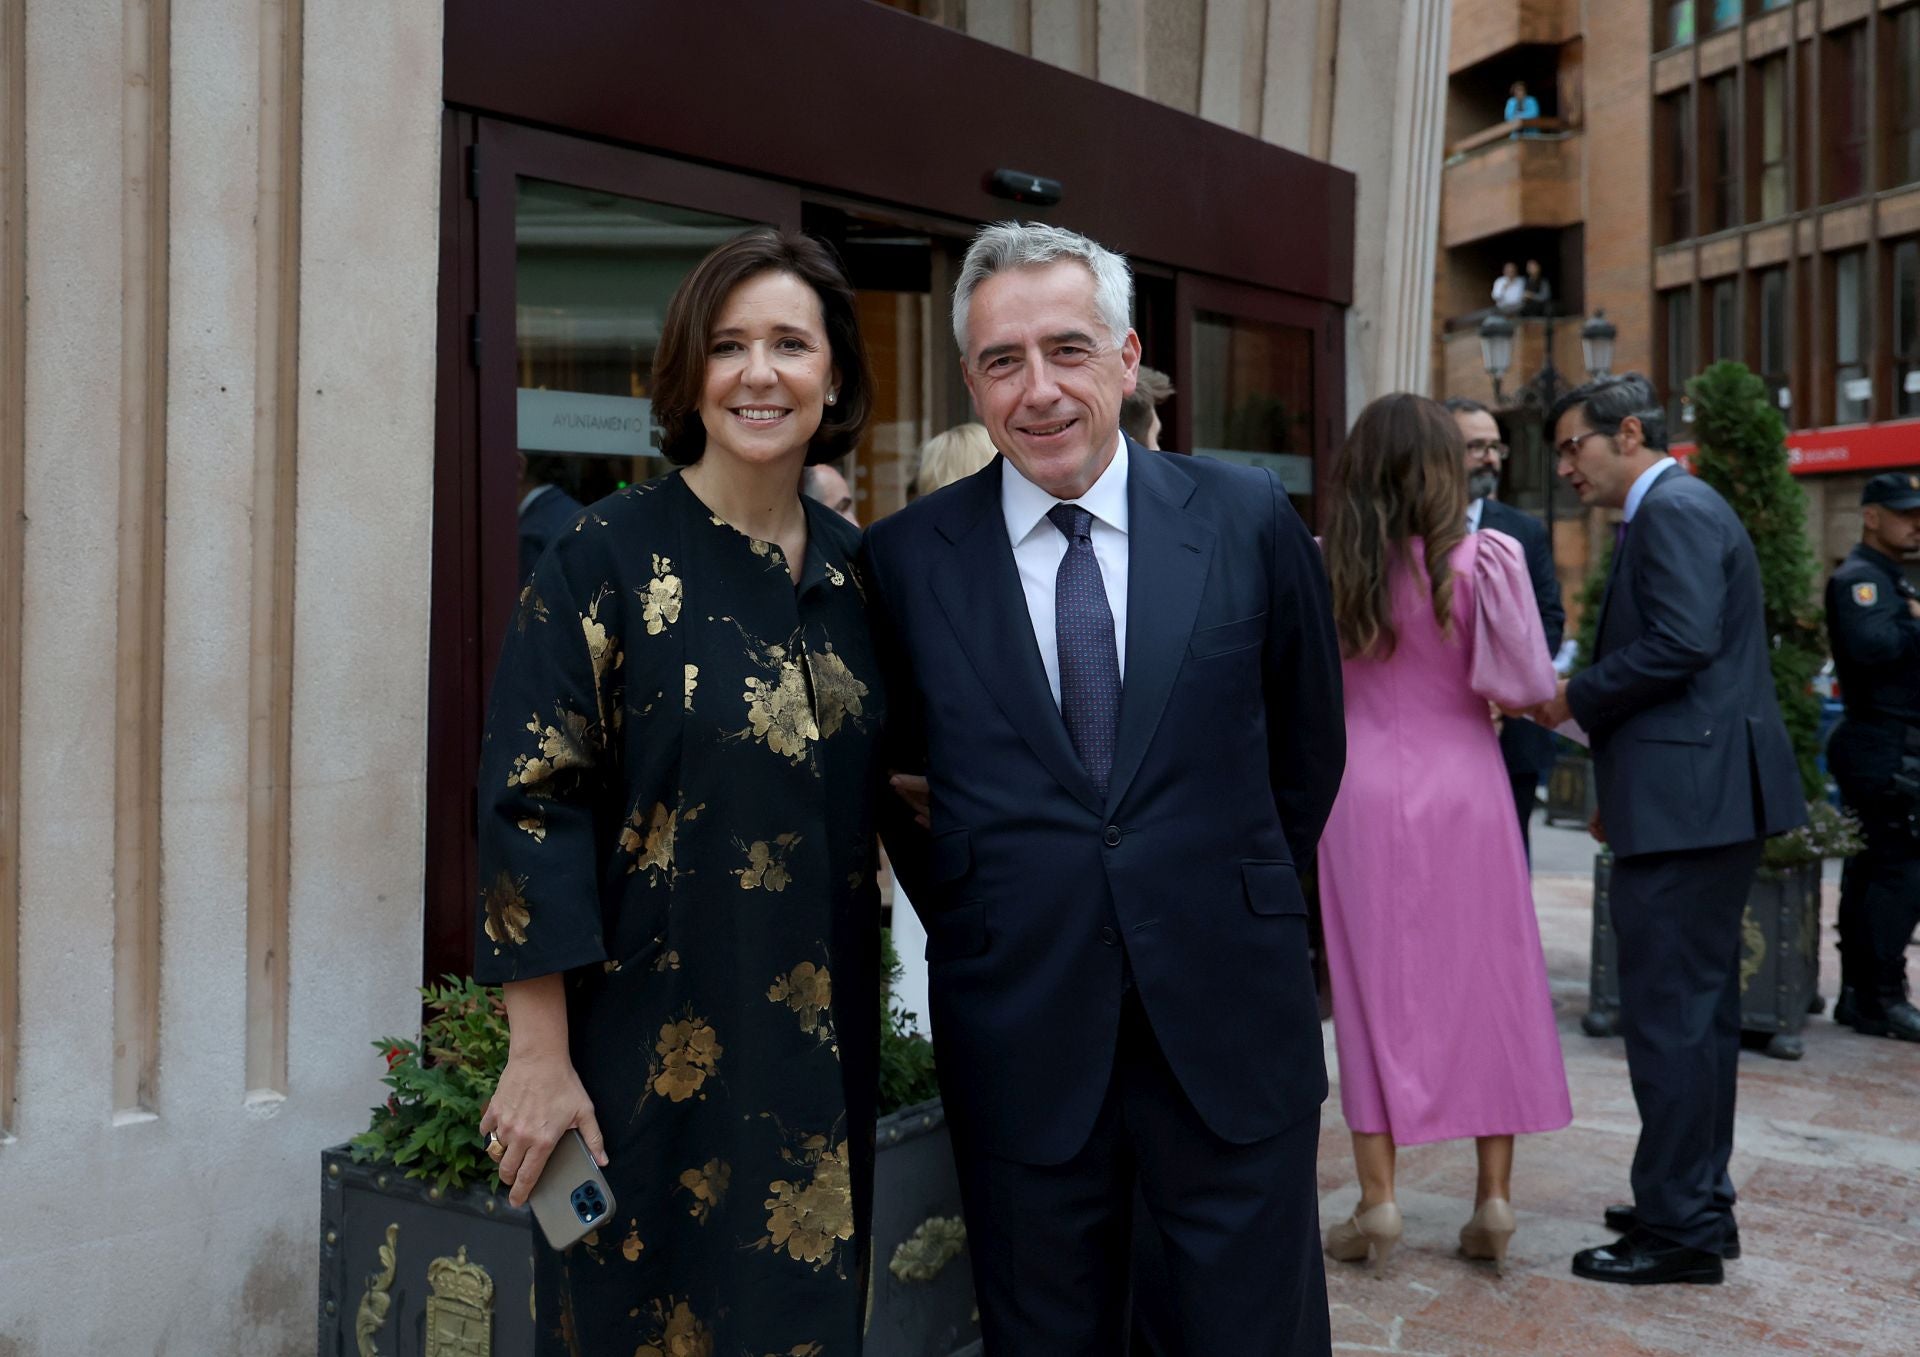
(1400, 476)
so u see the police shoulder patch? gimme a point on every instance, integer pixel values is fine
(1866, 595)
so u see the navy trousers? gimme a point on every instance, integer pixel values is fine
(1677, 919)
(1238, 1225)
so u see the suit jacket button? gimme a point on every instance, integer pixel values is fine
(1112, 836)
(1111, 938)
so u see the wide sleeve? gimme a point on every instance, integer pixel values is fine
(1510, 664)
(541, 777)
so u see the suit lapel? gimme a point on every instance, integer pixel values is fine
(1620, 554)
(1168, 553)
(979, 590)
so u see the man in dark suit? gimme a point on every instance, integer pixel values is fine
(1120, 673)
(546, 511)
(1694, 770)
(1527, 749)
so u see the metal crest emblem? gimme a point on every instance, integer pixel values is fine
(460, 1310)
(1866, 595)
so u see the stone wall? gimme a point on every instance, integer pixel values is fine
(223, 219)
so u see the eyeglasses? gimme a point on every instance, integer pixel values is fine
(1570, 447)
(1485, 447)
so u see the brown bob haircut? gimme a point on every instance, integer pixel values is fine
(680, 363)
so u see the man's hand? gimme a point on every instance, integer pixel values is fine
(1554, 711)
(1597, 827)
(1913, 607)
(912, 789)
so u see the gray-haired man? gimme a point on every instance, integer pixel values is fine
(1119, 671)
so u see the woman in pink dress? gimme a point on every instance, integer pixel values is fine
(1441, 1012)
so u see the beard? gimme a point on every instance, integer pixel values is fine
(1482, 483)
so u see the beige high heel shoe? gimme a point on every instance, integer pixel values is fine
(1486, 1236)
(1371, 1233)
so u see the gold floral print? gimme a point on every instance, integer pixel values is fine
(780, 714)
(836, 691)
(807, 990)
(693, 681)
(535, 825)
(563, 748)
(834, 576)
(809, 1217)
(689, 1052)
(532, 608)
(766, 863)
(677, 1332)
(708, 1187)
(662, 595)
(507, 909)
(669, 961)
(631, 1248)
(651, 837)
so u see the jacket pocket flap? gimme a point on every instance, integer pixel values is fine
(1228, 636)
(1273, 888)
(950, 855)
(1672, 728)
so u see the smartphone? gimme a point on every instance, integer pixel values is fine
(572, 1197)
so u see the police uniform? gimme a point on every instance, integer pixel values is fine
(1874, 755)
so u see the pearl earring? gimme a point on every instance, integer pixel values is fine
(832, 396)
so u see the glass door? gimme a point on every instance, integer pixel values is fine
(567, 252)
(1261, 376)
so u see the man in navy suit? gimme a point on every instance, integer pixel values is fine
(1694, 770)
(1527, 749)
(1119, 671)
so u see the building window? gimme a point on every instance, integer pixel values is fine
(1906, 326)
(1771, 144)
(1844, 138)
(1726, 13)
(1676, 144)
(1901, 68)
(1679, 22)
(1852, 389)
(1774, 4)
(1772, 308)
(1724, 308)
(1720, 172)
(1676, 315)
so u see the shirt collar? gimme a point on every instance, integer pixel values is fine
(535, 494)
(1025, 504)
(1473, 514)
(1643, 484)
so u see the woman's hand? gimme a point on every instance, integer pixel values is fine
(539, 1097)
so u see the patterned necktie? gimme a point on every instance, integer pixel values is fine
(1089, 659)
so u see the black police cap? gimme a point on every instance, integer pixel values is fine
(1895, 489)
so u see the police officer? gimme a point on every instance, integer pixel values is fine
(1873, 619)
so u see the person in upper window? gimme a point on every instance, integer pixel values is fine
(1509, 290)
(1521, 106)
(1537, 292)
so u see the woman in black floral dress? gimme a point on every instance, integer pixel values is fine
(676, 848)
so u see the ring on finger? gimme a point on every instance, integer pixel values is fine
(496, 1147)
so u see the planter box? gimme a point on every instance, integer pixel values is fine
(1779, 964)
(409, 1271)
(1571, 795)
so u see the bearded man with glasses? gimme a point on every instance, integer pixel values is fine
(1694, 769)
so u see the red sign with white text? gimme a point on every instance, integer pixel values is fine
(1851, 447)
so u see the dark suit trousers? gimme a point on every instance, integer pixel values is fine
(1526, 795)
(1677, 919)
(1239, 1225)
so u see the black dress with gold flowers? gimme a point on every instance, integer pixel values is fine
(676, 811)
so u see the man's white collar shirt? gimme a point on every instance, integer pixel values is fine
(1039, 547)
(1473, 515)
(1643, 483)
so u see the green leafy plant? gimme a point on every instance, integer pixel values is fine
(1829, 833)
(1742, 453)
(430, 1126)
(906, 1057)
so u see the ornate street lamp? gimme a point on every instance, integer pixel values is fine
(1596, 343)
(1496, 348)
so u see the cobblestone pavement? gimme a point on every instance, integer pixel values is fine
(1826, 1161)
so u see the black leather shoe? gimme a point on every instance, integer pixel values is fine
(1844, 1008)
(1644, 1259)
(1623, 1219)
(1898, 1019)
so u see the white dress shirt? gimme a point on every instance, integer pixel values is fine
(1509, 293)
(1039, 547)
(1644, 483)
(1473, 515)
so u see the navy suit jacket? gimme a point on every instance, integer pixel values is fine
(551, 514)
(1527, 748)
(1689, 749)
(1229, 751)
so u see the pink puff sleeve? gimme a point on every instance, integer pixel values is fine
(1510, 666)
